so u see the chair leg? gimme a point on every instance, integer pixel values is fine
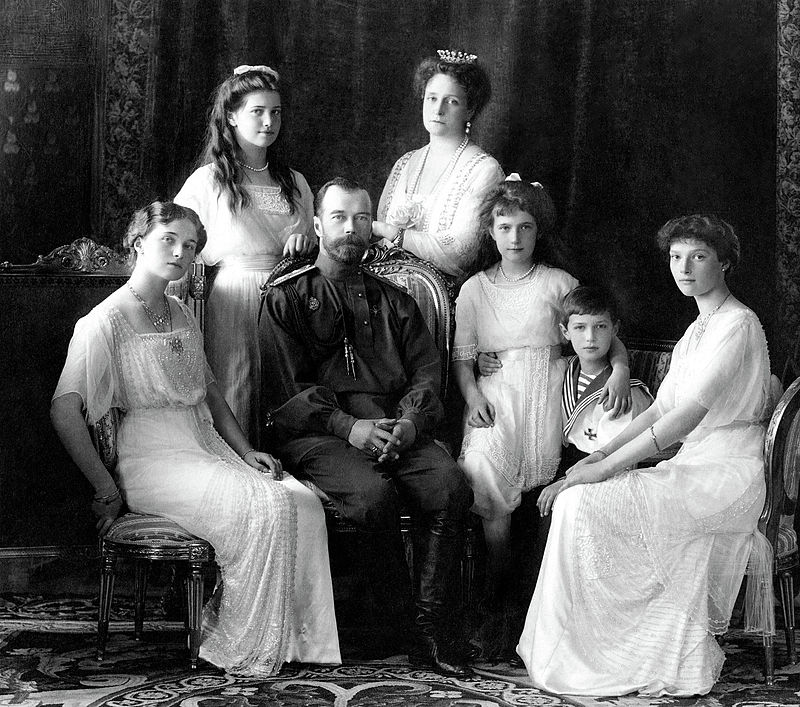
(787, 603)
(769, 661)
(104, 603)
(194, 603)
(139, 593)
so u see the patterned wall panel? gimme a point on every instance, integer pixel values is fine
(48, 68)
(128, 95)
(788, 178)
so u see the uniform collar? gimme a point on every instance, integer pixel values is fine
(334, 270)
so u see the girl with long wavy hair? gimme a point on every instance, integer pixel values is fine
(256, 210)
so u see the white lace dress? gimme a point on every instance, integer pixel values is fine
(441, 227)
(275, 603)
(641, 571)
(245, 246)
(520, 323)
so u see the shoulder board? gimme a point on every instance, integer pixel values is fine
(292, 275)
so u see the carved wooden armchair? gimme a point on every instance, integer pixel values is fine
(435, 299)
(782, 473)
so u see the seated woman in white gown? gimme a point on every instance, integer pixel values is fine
(183, 456)
(642, 567)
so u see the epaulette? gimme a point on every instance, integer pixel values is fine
(293, 274)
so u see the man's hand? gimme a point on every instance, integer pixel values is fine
(373, 436)
(406, 432)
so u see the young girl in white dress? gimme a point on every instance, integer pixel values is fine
(256, 210)
(182, 455)
(642, 567)
(512, 430)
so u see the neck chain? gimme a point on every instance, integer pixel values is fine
(252, 169)
(162, 323)
(519, 277)
(703, 320)
(447, 170)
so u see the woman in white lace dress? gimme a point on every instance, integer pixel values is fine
(183, 456)
(642, 567)
(430, 202)
(255, 210)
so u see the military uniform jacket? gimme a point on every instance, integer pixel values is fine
(308, 384)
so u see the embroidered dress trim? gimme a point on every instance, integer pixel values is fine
(525, 466)
(270, 200)
(267, 510)
(393, 181)
(465, 353)
(514, 298)
(456, 192)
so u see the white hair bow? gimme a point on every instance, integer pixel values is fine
(244, 68)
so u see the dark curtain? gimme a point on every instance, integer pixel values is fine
(348, 106)
(629, 112)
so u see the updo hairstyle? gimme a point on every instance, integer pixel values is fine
(708, 228)
(471, 77)
(159, 213)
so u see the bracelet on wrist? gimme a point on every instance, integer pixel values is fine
(106, 500)
(252, 449)
(603, 452)
(655, 439)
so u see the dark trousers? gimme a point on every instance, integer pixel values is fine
(369, 494)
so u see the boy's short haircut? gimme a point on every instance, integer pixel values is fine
(589, 300)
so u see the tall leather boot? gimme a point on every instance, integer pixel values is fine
(441, 549)
(383, 558)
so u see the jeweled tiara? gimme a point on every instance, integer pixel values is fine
(453, 57)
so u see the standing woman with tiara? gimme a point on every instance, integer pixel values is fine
(256, 210)
(431, 200)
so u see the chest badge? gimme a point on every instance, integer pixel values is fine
(313, 304)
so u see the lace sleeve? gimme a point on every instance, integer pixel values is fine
(465, 343)
(90, 370)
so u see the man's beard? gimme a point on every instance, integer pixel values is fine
(347, 250)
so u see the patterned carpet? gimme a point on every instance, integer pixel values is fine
(47, 658)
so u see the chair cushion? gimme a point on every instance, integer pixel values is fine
(787, 541)
(150, 531)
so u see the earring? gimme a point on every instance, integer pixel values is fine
(467, 128)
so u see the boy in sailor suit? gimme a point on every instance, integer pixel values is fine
(590, 324)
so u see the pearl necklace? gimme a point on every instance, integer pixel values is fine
(252, 169)
(702, 321)
(447, 170)
(519, 277)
